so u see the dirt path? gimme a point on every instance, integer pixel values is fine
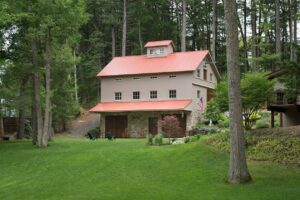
(82, 124)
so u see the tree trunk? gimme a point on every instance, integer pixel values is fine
(140, 38)
(43, 139)
(124, 28)
(277, 30)
(113, 42)
(245, 38)
(295, 6)
(21, 124)
(1, 123)
(37, 112)
(238, 171)
(183, 27)
(214, 30)
(254, 35)
(75, 75)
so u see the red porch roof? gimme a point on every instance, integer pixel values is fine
(140, 106)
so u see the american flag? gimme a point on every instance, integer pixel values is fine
(200, 104)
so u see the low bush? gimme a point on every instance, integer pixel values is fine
(149, 139)
(224, 123)
(284, 148)
(158, 139)
(262, 123)
(94, 132)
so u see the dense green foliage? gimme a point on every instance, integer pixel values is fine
(128, 169)
(256, 90)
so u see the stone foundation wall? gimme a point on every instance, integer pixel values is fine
(138, 121)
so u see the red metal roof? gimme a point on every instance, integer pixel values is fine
(140, 106)
(159, 43)
(133, 65)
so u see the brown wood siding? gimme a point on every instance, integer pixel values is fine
(153, 128)
(116, 125)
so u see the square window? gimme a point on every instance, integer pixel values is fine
(118, 95)
(136, 95)
(172, 94)
(152, 51)
(153, 94)
(161, 51)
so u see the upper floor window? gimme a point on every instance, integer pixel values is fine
(210, 76)
(205, 74)
(153, 77)
(152, 51)
(136, 78)
(118, 95)
(153, 94)
(172, 76)
(136, 95)
(198, 73)
(118, 79)
(161, 51)
(172, 94)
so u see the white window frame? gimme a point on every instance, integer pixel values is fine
(136, 95)
(172, 94)
(153, 94)
(118, 96)
(198, 73)
(210, 76)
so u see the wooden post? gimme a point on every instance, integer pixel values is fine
(1, 128)
(272, 119)
(280, 120)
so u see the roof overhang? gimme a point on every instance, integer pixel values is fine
(142, 106)
(159, 43)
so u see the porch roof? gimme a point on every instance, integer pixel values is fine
(141, 106)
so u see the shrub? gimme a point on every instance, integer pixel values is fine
(158, 139)
(95, 132)
(212, 111)
(281, 149)
(224, 123)
(149, 139)
(262, 123)
(170, 125)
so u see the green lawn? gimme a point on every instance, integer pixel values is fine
(127, 169)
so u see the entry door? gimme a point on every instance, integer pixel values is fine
(153, 129)
(116, 125)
